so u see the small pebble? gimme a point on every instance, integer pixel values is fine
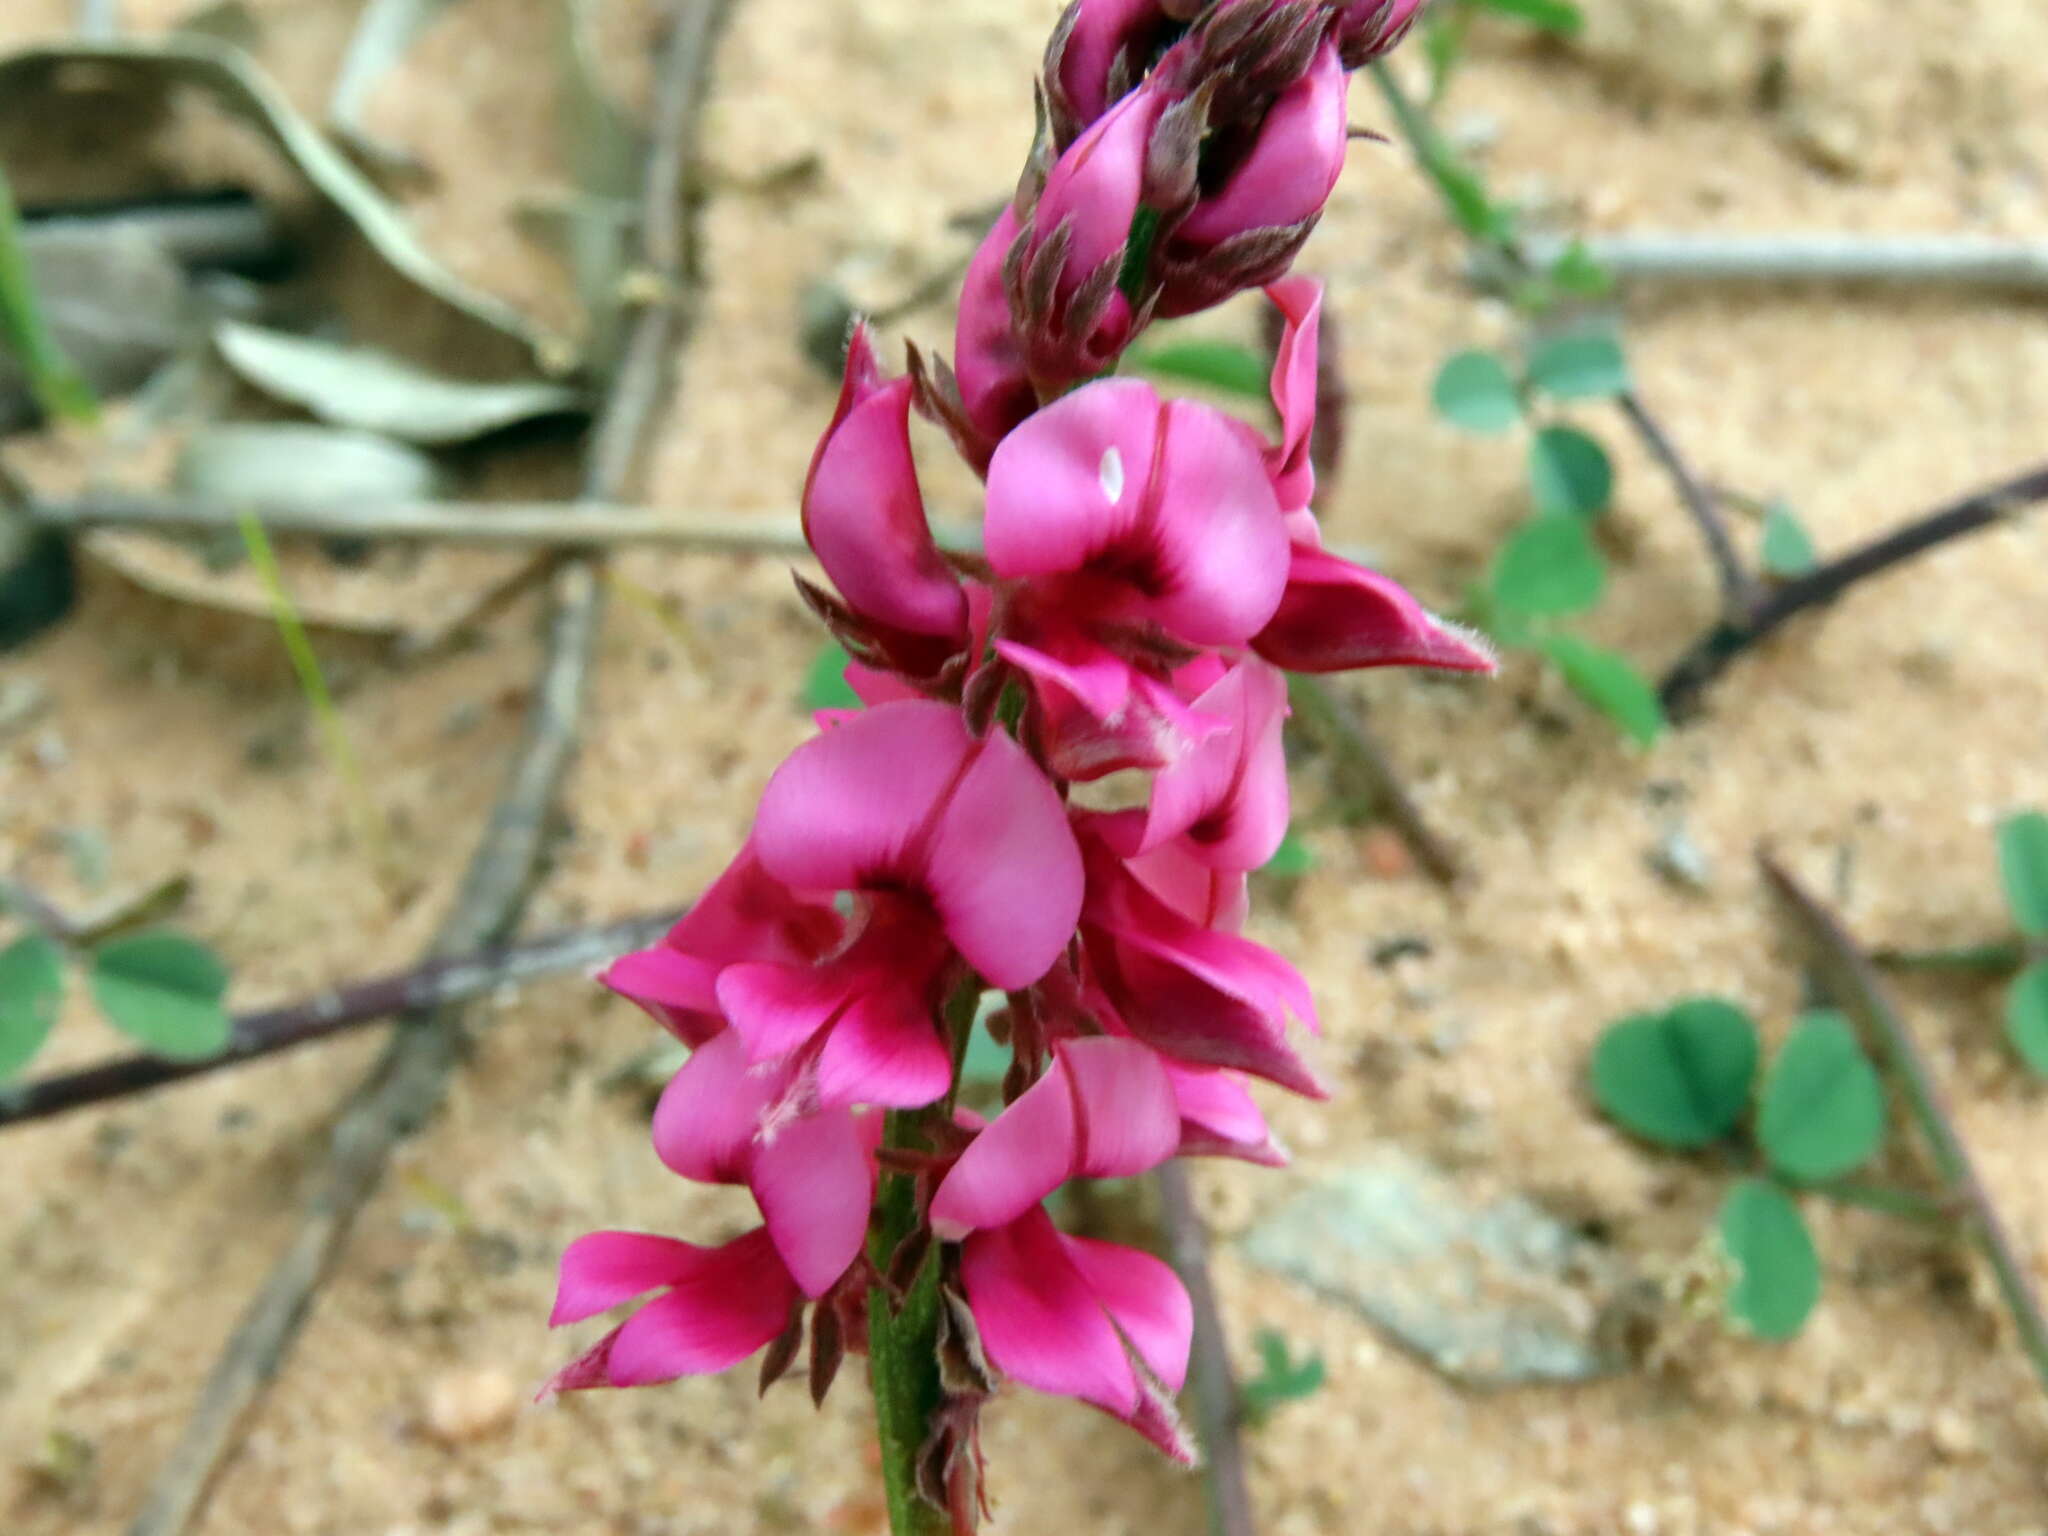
(465, 1406)
(1386, 855)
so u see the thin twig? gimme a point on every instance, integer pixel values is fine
(1710, 655)
(1218, 1411)
(1738, 586)
(506, 525)
(266, 1031)
(1846, 972)
(1360, 759)
(407, 1085)
(1961, 261)
(1502, 248)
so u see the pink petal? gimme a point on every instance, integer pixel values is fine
(1227, 794)
(676, 989)
(814, 1183)
(1039, 1322)
(1219, 1118)
(1293, 164)
(1173, 501)
(592, 1368)
(1144, 1298)
(873, 686)
(705, 1122)
(605, 1268)
(1125, 1118)
(1024, 1154)
(851, 808)
(749, 915)
(1102, 30)
(728, 1303)
(864, 515)
(1335, 616)
(885, 1050)
(1071, 481)
(1217, 528)
(1005, 873)
(775, 1009)
(1098, 714)
(1104, 1109)
(1300, 302)
(1205, 896)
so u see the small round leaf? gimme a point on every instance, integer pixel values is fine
(2026, 1016)
(1549, 569)
(1580, 366)
(164, 991)
(1569, 473)
(1822, 1112)
(2023, 862)
(1787, 547)
(31, 990)
(1778, 1278)
(1680, 1078)
(1473, 391)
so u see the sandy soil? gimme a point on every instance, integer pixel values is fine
(1882, 741)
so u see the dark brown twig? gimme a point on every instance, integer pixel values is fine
(1738, 585)
(1848, 976)
(409, 1080)
(1710, 655)
(1370, 775)
(266, 1031)
(1217, 1409)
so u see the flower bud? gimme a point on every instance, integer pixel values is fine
(1060, 273)
(1100, 49)
(1368, 28)
(1246, 232)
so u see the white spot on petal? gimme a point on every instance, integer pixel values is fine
(1112, 475)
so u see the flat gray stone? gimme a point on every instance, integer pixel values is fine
(1492, 1293)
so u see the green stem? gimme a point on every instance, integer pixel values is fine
(903, 1345)
(1908, 1204)
(1999, 959)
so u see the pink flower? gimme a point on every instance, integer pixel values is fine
(1368, 28)
(813, 1175)
(1155, 512)
(717, 1306)
(1201, 996)
(1081, 1318)
(1226, 796)
(745, 915)
(1104, 1109)
(1248, 231)
(864, 517)
(1097, 712)
(904, 801)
